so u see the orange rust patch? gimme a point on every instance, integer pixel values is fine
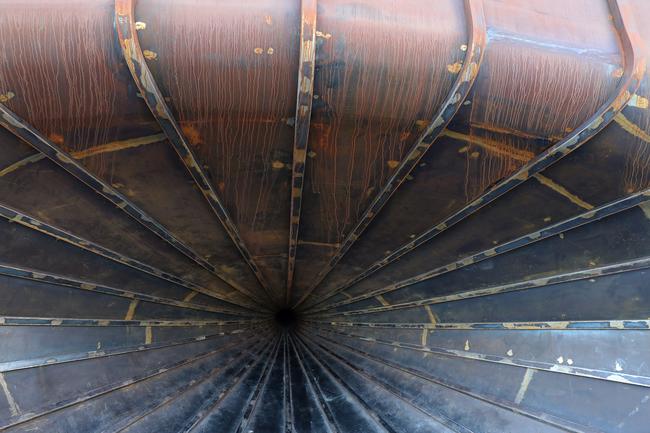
(392, 163)
(56, 138)
(6, 97)
(191, 133)
(150, 55)
(455, 68)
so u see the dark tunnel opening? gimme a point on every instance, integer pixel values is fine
(287, 318)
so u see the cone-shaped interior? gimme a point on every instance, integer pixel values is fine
(324, 216)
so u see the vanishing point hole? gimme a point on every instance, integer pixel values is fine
(286, 317)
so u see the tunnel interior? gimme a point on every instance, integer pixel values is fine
(336, 216)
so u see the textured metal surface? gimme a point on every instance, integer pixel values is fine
(324, 216)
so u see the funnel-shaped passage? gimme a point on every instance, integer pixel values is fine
(336, 216)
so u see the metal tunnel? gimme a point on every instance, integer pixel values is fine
(327, 216)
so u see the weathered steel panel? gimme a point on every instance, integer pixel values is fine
(324, 216)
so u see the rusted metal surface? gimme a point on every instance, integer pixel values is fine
(628, 83)
(102, 115)
(360, 130)
(324, 216)
(468, 70)
(135, 59)
(227, 114)
(301, 132)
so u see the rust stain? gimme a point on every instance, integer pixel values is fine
(150, 55)
(392, 163)
(6, 97)
(455, 67)
(191, 133)
(493, 146)
(56, 138)
(113, 146)
(57, 97)
(531, 91)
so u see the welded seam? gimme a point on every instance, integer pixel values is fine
(605, 375)
(189, 386)
(130, 313)
(582, 274)
(212, 403)
(37, 140)
(60, 405)
(551, 184)
(381, 422)
(13, 407)
(525, 382)
(68, 358)
(306, 70)
(633, 72)
(59, 280)
(125, 27)
(631, 128)
(22, 163)
(552, 230)
(15, 216)
(551, 325)
(439, 418)
(316, 391)
(288, 393)
(261, 385)
(114, 146)
(457, 94)
(49, 321)
(509, 406)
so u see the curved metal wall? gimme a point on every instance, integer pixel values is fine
(324, 216)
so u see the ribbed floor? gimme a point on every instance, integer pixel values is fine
(328, 216)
